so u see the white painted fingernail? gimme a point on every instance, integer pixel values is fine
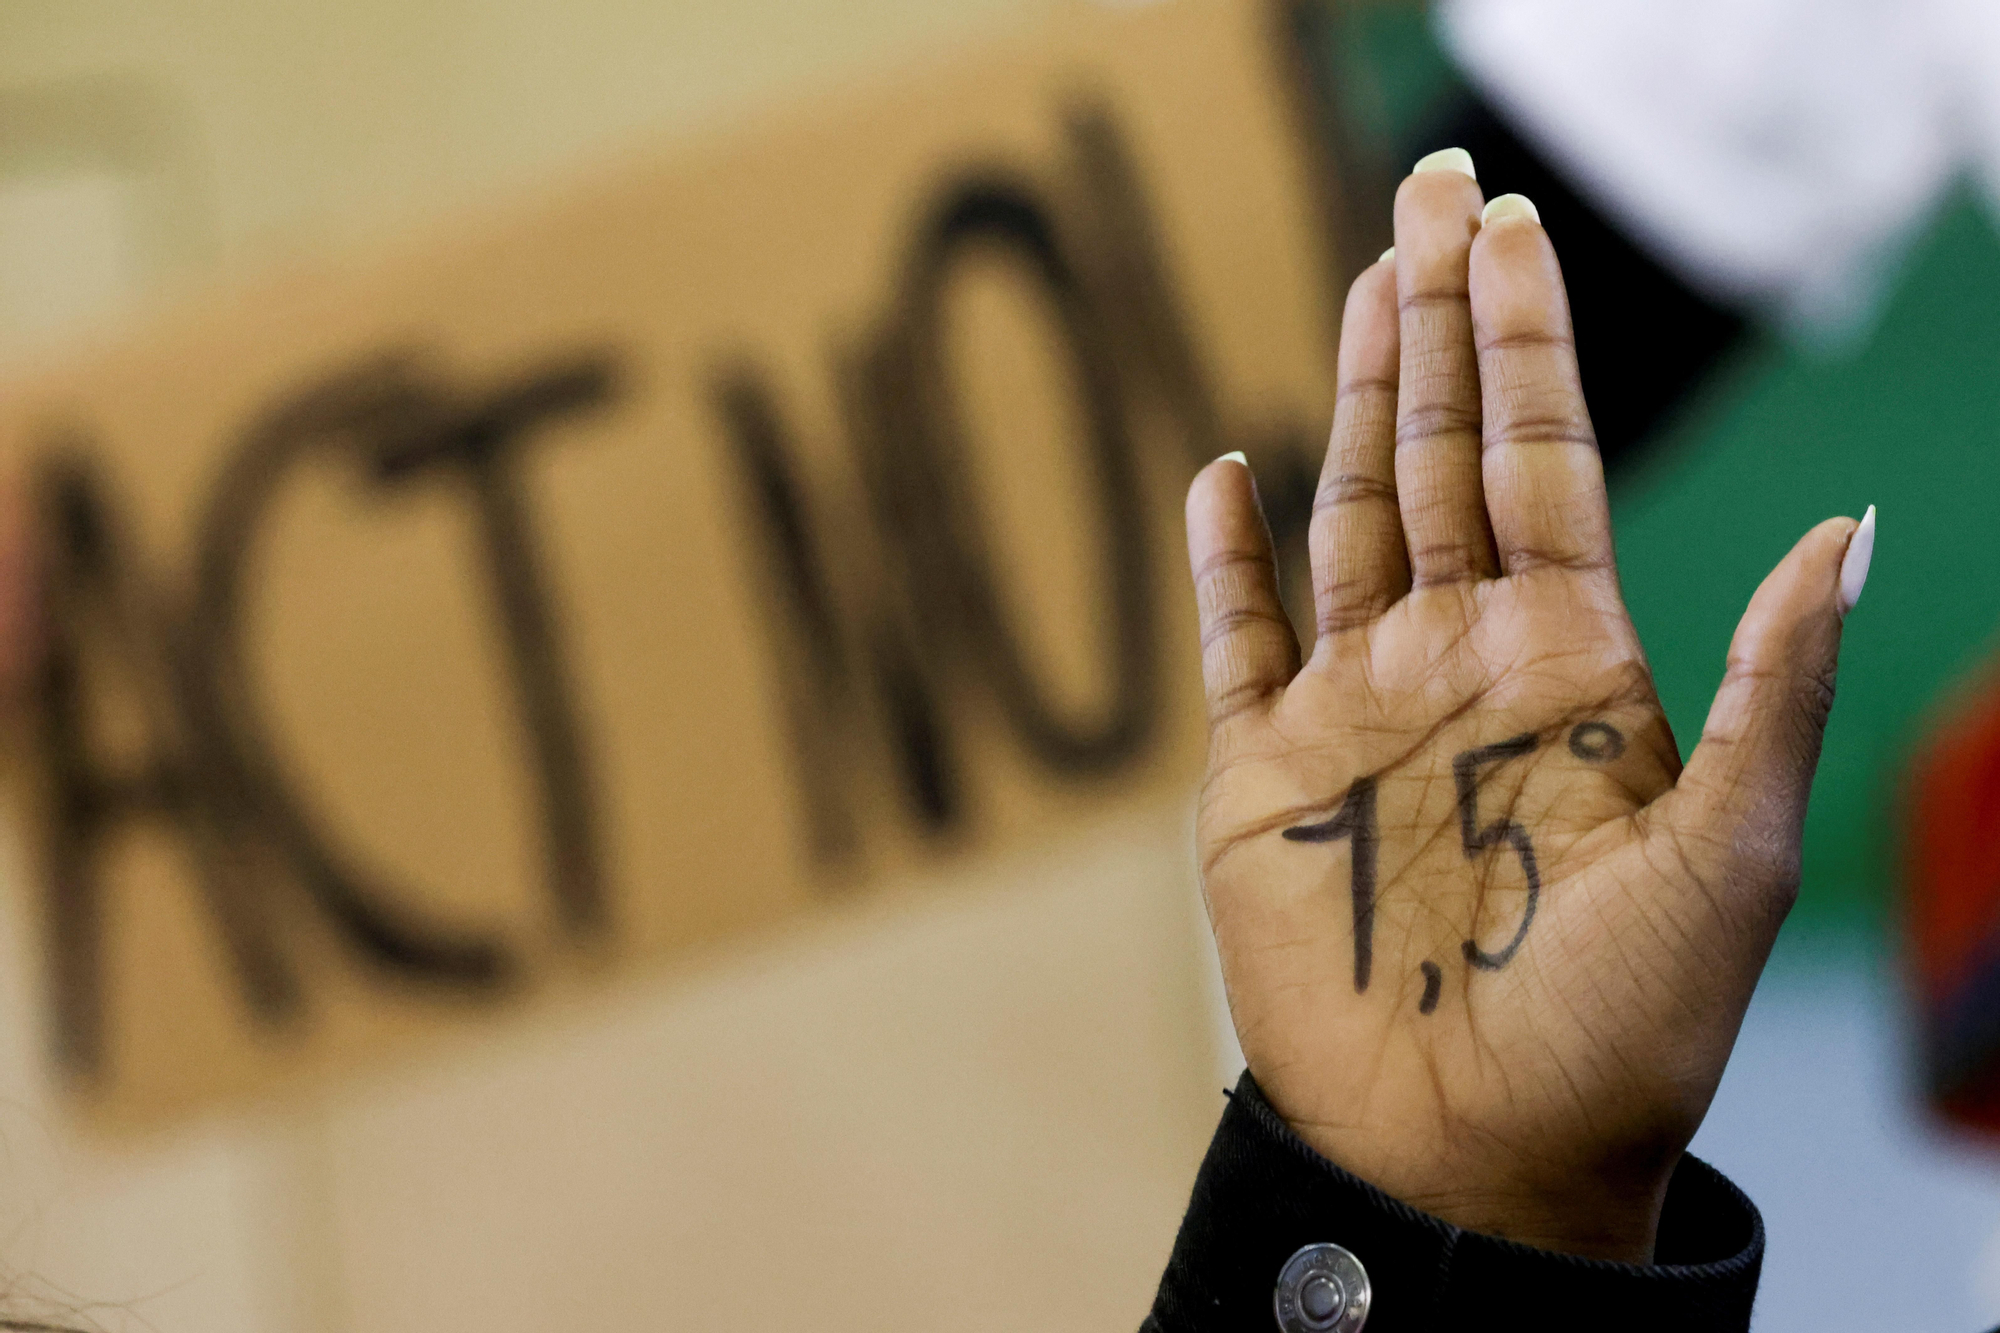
(1387, 256)
(1236, 456)
(1447, 159)
(1854, 566)
(1510, 206)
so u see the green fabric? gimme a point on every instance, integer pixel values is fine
(1906, 422)
(1392, 70)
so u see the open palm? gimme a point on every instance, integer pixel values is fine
(1486, 944)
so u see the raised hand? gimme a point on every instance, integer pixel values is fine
(1487, 944)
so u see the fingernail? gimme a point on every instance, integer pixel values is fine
(1447, 159)
(1387, 256)
(1236, 456)
(1854, 566)
(1510, 206)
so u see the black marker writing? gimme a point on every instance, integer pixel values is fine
(1355, 820)
(1433, 981)
(1465, 772)
(1596, 742)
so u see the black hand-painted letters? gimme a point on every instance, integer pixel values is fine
(874, 653)
(887, 608)
(212, 769)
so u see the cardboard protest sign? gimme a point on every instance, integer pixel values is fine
(639, 572)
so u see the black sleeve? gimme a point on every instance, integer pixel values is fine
(1262, 1195)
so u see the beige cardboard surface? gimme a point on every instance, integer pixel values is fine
(978, 1110)
(701, 553)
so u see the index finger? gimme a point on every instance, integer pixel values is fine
(1543, 477)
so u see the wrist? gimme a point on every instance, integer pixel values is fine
(1606, 1210)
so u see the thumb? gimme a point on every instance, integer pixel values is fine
(1744, 791)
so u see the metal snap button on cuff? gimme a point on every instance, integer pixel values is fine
(1322, 1289)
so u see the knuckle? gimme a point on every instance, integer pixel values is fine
(1543, 339)
(1816, 692)
(1226, 624)
(1226, 569)
(1775, 864)
(1353, 488)
(1429, 421)
(1523, 429)
(1428, 299)
(1350, 605)
(1227, 704)
(1522, 559)
(1446, 562)
(1363, 389)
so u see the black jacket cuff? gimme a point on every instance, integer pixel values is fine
(1262, 1194)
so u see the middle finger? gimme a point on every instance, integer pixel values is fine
(1437, 411)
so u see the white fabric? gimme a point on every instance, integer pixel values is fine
(1775, 152)
(1971, 47)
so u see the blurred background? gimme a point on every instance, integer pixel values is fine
(976, 1103)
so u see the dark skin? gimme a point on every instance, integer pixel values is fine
(1475, 675)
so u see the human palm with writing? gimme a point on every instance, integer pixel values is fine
(1487, 943)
